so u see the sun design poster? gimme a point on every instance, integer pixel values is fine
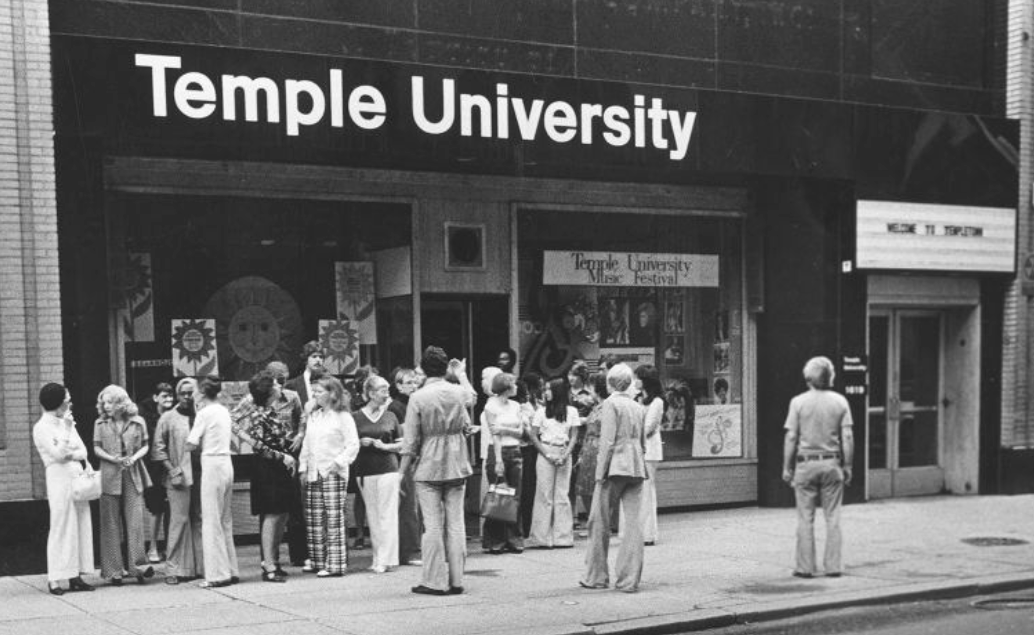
(340, 340)
(356, 298)
(193, 348)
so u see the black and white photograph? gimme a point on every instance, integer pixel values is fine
(383, 316)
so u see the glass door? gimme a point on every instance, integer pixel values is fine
(905, 409)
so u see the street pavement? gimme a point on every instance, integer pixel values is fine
(708, 569)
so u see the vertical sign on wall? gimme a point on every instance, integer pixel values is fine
(356, 298)
(133, 283)
(193, 348)
(340, 340)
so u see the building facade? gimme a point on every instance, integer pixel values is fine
(720, 188)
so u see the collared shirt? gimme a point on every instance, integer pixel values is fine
(331, 444)
(212, 430)
(121, 438)
(818, 417)
(553, 432)
(435, 420)
(55, 437)
(169, 444)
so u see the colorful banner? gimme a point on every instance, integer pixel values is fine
(356, 298)
(193, 348)
(133, 286)
(340, 340)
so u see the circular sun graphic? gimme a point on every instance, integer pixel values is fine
(257, 322)
(194, 341)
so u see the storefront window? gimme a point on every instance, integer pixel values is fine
(205, 284)
(660, 289)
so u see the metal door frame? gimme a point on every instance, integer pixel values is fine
(893, 480)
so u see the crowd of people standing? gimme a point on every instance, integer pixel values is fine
(395, 441)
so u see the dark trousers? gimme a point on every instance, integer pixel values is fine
(498, 535)
(529, 483)
(297, 547)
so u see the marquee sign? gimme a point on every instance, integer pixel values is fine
(919, 236)
(629, 269)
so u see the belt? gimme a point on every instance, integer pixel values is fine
(801, 458)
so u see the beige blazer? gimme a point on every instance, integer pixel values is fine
(622, 442)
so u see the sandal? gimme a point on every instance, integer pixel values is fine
(55, 589)
(272, 576)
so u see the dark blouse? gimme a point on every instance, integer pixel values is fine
(373, 461)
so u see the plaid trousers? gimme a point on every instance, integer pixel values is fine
(325, 508)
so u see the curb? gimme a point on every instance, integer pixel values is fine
(705, 619)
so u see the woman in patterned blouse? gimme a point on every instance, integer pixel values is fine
(268, 420)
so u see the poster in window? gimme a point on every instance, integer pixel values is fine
(674, 350)
(717, 431)
(633, 357)
(721, 357)
(193, 348)
(613, 312)
(356, 298)
(674, 317)
(340, 339)
(643, 329)
(133, 285)
(258, 322)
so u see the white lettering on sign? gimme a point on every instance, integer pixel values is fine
(305, 103)
(624, 269)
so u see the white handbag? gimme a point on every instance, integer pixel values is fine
(86, 486)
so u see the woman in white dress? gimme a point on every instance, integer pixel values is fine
(70, 542)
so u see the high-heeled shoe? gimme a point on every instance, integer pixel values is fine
(77, 584)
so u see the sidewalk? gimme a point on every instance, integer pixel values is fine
(708, 569)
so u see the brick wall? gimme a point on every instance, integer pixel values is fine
(30, 312)
(1017, 336)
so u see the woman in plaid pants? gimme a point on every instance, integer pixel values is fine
(331, 444)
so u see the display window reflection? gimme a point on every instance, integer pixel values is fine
(641, 288)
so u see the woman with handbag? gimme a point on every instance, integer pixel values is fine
(504, 463)
(554, 433)
(120, 441)
(620, 472)
(70, 542)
